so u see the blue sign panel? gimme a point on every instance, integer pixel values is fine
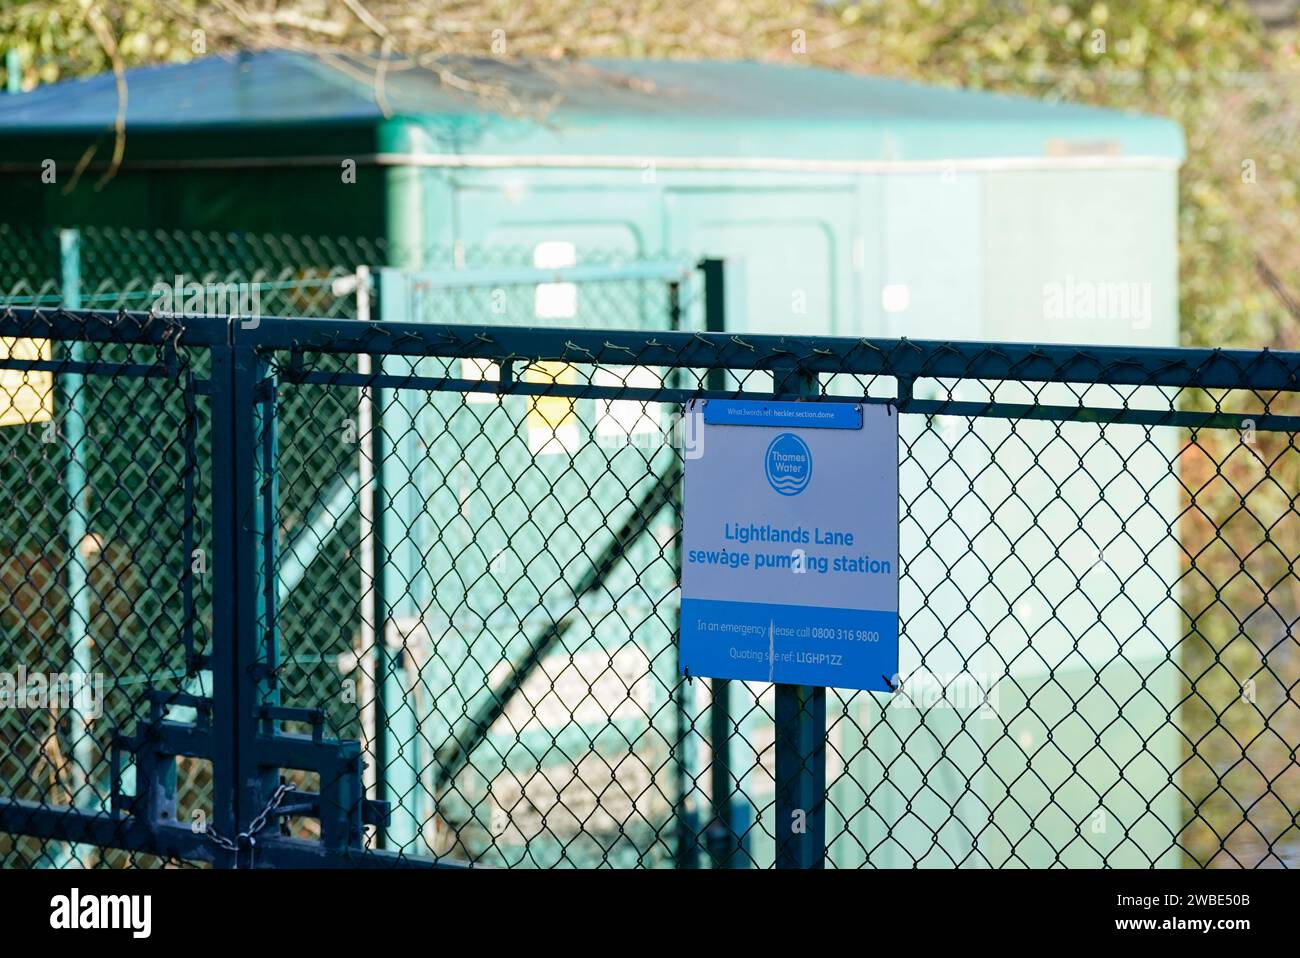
(790, 544)
(806, 415)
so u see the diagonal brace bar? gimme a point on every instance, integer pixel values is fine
(451, 759)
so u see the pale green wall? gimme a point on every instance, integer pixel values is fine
(976, 251)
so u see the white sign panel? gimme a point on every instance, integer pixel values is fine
(790, 543)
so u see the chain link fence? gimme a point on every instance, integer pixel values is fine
(1082, 644)
(470, 561)
(113, 420)
(101, 484)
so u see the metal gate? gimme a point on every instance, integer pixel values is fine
(155, 773)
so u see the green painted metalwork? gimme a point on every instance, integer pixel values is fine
(71, 425)
(472, 456)
(13, 71)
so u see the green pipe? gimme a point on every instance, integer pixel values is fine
(76, 529)
(456, 753)
(13, 71)
(323, 523)
(397, 508)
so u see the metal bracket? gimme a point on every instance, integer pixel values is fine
(340, 804)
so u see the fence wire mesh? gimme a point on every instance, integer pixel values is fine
(1096, 666)
(129, 269)
(99, 605)
(476, 536)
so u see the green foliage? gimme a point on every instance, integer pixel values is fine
(56, 41)
(1207, 66)
(969, 36)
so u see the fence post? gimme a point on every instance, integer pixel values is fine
(800, 826)
(255, 636)
(225, 565)
(72, 428)
(721, 835)
(371, 604)
(395, 506)
(14, 72)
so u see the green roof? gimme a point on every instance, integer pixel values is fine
(605, 107)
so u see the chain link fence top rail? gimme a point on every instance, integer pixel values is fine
(1098, 600)
(294, 275)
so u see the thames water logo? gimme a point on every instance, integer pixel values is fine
(788, 464)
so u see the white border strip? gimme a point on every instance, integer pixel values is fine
(538, 161)
(772, 164)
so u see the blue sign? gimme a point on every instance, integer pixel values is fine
(805, 415)
(790, 544)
